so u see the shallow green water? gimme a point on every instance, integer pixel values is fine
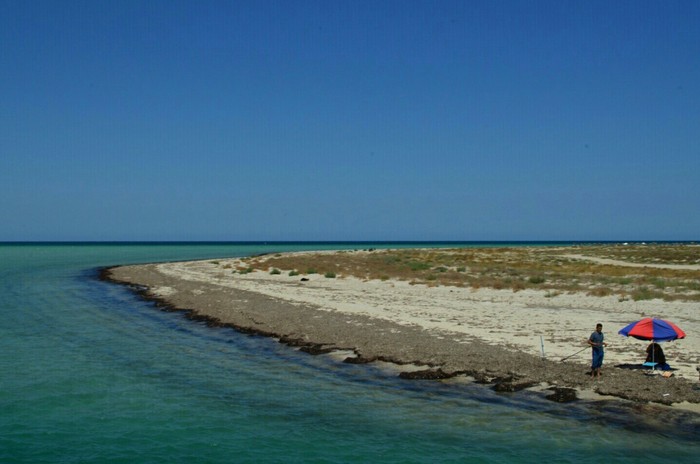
(91, 373)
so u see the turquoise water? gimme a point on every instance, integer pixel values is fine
(91, 373)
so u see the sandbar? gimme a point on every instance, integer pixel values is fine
(507, 339)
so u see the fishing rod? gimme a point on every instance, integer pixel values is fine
(572, 355)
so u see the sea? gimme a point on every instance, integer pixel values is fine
(92, 373)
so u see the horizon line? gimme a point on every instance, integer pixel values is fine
(259, 242)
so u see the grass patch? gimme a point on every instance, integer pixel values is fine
(645, 293)
(551, 269)
(329, 275)
(600, 291)
(418, 266)
(517, 285)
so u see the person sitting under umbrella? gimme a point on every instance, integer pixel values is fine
(654, 330)
(656, 355)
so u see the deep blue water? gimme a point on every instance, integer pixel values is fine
(91, 373)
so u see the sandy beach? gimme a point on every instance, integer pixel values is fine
(508, 339)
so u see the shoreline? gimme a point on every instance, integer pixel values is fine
(276, 306)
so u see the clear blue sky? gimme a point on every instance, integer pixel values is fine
(349, 120)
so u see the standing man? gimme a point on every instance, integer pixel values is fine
(596, 341)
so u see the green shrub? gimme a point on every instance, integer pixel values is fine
(643, 293)
(275, 271)
(293, 273)
(418, 266)
(536, 279)
(311, 271)
(330, 275)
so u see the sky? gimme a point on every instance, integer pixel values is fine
(349, 120)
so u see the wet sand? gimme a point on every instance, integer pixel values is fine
(494, 337)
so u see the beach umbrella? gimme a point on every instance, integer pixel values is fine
(657, 330)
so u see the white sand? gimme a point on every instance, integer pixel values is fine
(516, 320)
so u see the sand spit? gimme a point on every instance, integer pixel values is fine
(493, 336)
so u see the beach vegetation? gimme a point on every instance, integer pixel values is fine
(329, 275)
(600, 291)
(293, 273)
(419, 266)
(555, 270)
(645, 293)
(275, 271)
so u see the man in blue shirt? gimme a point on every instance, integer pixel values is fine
(596, 341)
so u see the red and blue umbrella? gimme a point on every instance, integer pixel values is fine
(654, 329)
